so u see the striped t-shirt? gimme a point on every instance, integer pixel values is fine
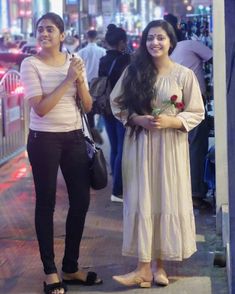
(39, 78)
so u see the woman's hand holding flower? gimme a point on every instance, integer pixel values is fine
(163, 121)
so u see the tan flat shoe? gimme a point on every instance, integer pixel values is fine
(132, 279)
(160, 277)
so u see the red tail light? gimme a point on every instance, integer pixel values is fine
(135, 45)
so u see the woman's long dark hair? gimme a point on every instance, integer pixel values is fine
(139, 88)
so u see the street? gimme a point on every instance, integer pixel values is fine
(20, 265)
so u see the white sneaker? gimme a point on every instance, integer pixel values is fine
(116, 199)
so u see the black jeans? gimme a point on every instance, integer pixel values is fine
(47, 152)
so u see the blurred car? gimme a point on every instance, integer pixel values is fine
(30, 49)
(10, 61)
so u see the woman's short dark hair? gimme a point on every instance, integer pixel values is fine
(114, 35)
(54, 18)
(92, 34)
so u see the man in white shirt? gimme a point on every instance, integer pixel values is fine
(91, 55)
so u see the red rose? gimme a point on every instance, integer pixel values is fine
(173, 98)
(179, 105)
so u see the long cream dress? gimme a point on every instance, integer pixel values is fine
(158, 219)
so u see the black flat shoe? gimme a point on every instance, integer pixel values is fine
(49, 288)
(91, 280)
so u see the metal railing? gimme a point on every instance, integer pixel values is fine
(12, 116)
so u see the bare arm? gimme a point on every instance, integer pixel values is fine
(84, 95)
(44, 103)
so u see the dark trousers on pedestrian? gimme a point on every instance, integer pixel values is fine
(47, 152)
(198, 148)
(115, 131)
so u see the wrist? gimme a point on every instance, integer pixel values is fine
(69, 81)
(175, 123)
(79, 82)
(136, 120)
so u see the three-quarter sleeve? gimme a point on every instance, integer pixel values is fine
(30, 79)
(194, 110)
(118, 111)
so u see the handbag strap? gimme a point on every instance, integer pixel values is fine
(85, 120)
(112, 66)
(80, 106)
(109, 73)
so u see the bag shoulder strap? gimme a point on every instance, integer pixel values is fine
(109, 73)
(84, 119)
(112, 66)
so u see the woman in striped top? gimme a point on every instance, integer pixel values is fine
(51, 80)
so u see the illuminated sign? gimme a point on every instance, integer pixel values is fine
(71, 1)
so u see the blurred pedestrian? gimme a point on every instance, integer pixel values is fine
(193, 54)
(51, 79)
(91, 55)
(32, 40)
(159, 102)
(116, 39)
(173, 20)
(71, 43)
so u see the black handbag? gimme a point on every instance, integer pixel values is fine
(98, 167)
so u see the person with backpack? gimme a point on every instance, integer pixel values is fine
(117, 58)
(91, 55)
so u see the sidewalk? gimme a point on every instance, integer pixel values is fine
(20, 265)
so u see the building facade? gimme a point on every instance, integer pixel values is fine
(80, 15)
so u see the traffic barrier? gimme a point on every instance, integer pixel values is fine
(12, 116)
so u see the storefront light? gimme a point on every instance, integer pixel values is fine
(129, 22)
(143, 13)
(118, 18)
(22, 13)
(158, 12)
(99, 21)
(201, 7)
(28, 12)
(189, 8)
(57, 6)
(208, 8)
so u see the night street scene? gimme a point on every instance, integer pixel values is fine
(117, 144)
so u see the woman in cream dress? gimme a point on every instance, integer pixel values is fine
(158, 214)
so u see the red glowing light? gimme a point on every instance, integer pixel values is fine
(28, 12)
(18, 90)
(21, 12)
